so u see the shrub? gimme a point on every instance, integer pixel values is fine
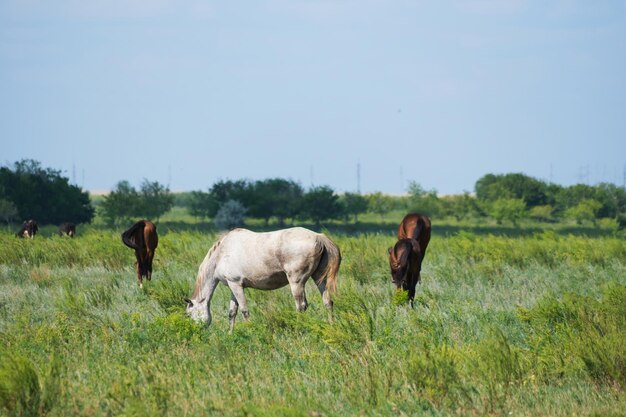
(230, 215)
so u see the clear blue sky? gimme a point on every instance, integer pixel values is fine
(191, 91)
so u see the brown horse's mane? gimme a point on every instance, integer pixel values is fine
(202, 275)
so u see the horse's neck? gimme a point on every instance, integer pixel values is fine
(206, 271)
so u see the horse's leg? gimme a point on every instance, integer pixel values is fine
(139, 277)
(297, 289)
(212, 285)
(232, 312)
(149, 266)
(412, 284)
(237, 291)
(321, 285)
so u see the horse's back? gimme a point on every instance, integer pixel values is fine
(410, 223)
(150, 236)
(256, 256)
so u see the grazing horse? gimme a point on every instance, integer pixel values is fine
(142, 237)
(266, 261)
(405, 260)
(29, 229)
(406, 257)
(67, 229)
(415, 226)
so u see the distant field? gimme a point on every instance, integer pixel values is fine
(516, 322)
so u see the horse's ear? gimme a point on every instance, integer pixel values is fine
(188, 301)
(389, 250)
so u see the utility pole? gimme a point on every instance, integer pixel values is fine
(312, 176)
(358, 177)
(73, 173)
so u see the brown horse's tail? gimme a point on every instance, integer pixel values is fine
(128, 234)
(329, 263)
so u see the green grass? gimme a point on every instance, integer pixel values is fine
(521, 324)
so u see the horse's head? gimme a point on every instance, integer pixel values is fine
(399, 259)
(198, 310)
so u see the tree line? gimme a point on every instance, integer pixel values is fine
(29, 191)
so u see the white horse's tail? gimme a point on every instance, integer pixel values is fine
(329, 263)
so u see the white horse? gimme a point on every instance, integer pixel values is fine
(266, 261)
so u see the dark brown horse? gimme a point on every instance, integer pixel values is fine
(67, 229)
(405, 260)
(415, 226)
(29, 229)
(142, 237)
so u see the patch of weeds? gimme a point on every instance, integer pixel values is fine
(23, 392)
(433, 374)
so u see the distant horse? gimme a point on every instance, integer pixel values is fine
(405, 260)
(266, 261)
(67, 229)
(29, 229)
(142, 237)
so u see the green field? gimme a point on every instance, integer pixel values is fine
(524, 323)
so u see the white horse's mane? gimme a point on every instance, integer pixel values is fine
(209, 261)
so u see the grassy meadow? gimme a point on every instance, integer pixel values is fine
(524, 325)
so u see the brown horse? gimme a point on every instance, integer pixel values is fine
(415, 226)
(405, 260)
(142, 237)
(29, 229)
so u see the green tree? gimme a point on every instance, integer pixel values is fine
(8, 211)
(44, 194)
(541, 213)
(586, 210)
(319, 204)
(240, 190)
(121, 204)
(511, 209)
(275, 197)
(459, 206)
(202, 205)
(155, 200)
(492, 187)
(379, 203)
(422, 200)
(354, 204)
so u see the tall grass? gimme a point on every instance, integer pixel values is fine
(530, 325)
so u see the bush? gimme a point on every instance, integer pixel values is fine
(511, 209)
(230, 215)
(586, 210)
